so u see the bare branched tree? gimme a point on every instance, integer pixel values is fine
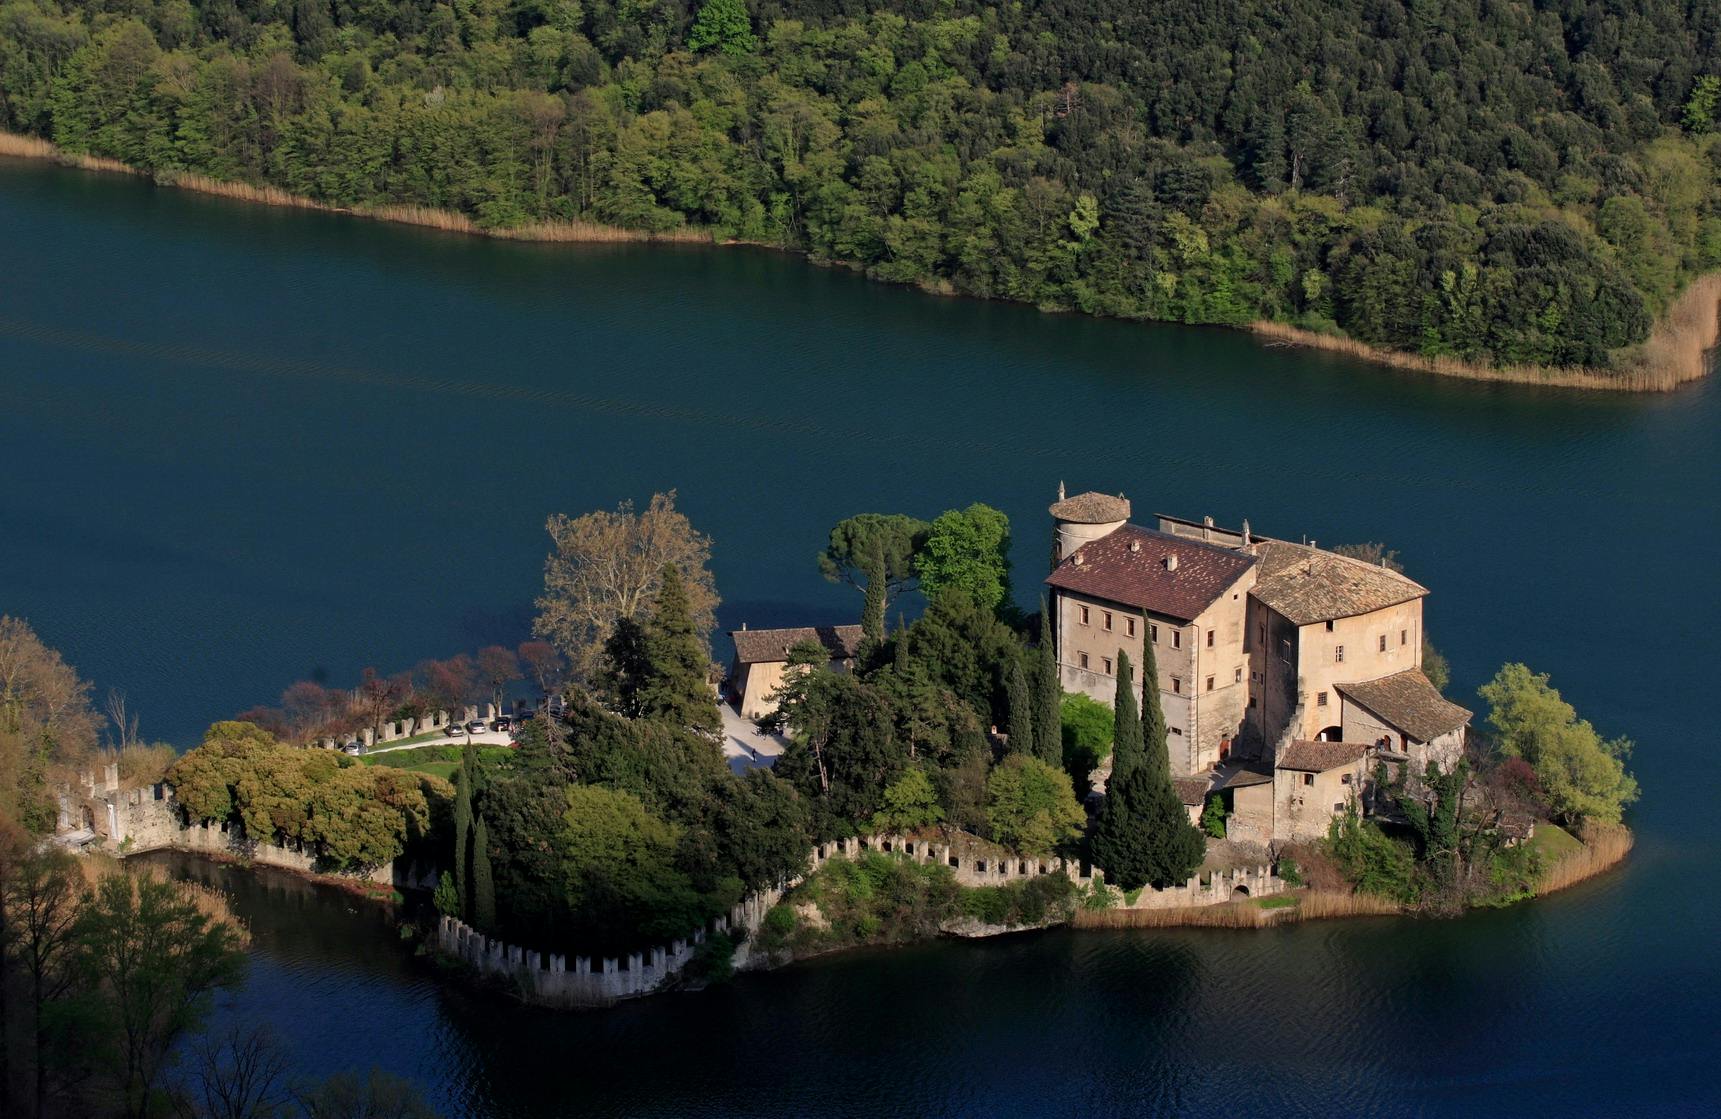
(608, 566)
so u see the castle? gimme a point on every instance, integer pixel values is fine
(1286, 672)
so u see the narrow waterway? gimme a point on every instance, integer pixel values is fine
(241, 446)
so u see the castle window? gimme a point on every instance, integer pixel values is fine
(1404, 637)
(1308, 779)
(1106, 661)
(1084, 658)
(1329, 625)
(1237, 675)
(1320, 699)
(1084, 614)
(1338, 654)
(1210, 639)
(1153, 632)
(1383, 642)
(1177, 639)
(1285, 649)
(1105, 615)
(1129, 626)
(1178, 731)
(1344, 778)
(1177, 685)
(1210, 683)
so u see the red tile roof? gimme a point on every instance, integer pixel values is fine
(1091, 508)
(1409, 703)
(755, 646)
(1318, 757)
(1130, 566)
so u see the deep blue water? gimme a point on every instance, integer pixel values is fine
(241, 446)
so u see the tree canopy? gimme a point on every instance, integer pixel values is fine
(1515, 182)
(1580, 773)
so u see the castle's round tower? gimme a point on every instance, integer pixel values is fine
(1084, 518)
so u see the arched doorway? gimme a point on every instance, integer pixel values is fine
(1331, 734)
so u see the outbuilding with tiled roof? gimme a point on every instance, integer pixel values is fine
(761, 655)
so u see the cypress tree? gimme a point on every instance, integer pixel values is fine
(1048, 698)
(1126, 748)
(483, 884)
(872, 614)
(676, 689)
(1143, 836)
(463, 832)
(1152, 715)
(1019, 712)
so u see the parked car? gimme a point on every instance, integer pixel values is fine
(502, 723)
(353, 749)
(455, 730)
(476, 726)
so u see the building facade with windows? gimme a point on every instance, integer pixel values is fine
(1261, 645)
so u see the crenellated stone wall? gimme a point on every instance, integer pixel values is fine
(550, 979)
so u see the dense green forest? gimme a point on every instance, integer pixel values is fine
(1506, 180)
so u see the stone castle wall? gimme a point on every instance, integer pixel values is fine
(553, 979)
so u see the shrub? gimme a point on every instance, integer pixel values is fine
(1290, 872)
(909, 802)
(1374, 862)
(1087, 726)
(1030, 806)
(1213, 818)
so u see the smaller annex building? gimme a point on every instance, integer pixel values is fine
(1404, 715)
(761, 655)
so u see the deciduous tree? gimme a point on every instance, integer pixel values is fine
(609, 566)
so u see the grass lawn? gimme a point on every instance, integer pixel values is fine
(1553, 842)
(1276, 901)
(425, 737)
(441, 761)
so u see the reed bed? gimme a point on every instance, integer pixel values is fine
(1313, 905)
(1605, 847)
(212, 903)
(1677, 351)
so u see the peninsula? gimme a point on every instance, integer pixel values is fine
(646, 819)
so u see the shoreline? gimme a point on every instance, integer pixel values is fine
(1676, 353)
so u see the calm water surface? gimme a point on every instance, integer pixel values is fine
(240, 447)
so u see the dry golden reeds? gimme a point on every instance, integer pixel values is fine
(1604, 847)
(1676, 351)
(1312, 905)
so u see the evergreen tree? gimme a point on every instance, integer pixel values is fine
(1018, 708)
(1152, 714)
(1048, 698)
(872, 614)
(1126, 748)
(483, 883)
(463, 832)
(675, 689)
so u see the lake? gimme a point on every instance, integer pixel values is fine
(244, 446)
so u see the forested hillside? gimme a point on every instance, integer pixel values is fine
(1497, 180)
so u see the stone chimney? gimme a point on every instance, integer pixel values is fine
(1171, 561)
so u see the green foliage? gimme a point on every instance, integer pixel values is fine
(962, 646)
(1045, 899)
(1031, 807)
(910, 802)
(872, 613)
(1213, 818)
(1427, 188)
(1126, 732)
(1290, 872)
(857, 542)
(1372, 860)
(1434, 666)
(1701, 106)
(350, 815)
(151, 962)
(1048, 697)
(483, 880)
(1579, 773)
(1143, 836)
(447, 896)
(876, 899)
(673, 685)
(1153, 741)
(1087, 731)
(968, 550)
(714, 960)
(723, 25)
(1018, 709)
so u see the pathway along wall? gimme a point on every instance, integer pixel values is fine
(547, 978)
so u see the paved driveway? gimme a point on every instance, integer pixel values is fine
(744, 747)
